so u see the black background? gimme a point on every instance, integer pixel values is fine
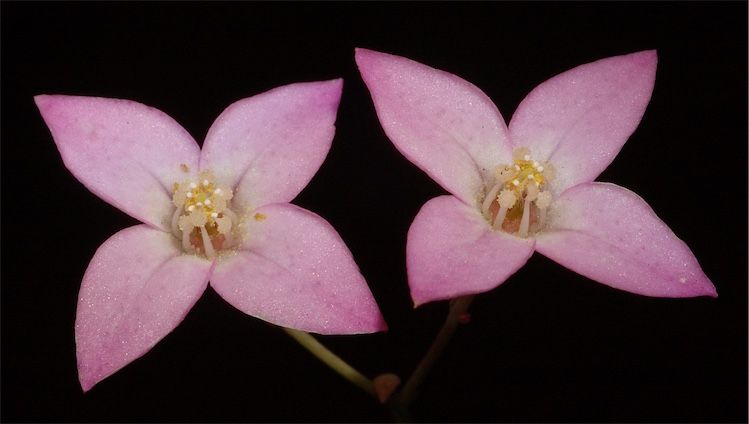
(548, 345)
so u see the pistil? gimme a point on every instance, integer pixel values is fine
(518, 198)
(202, 219)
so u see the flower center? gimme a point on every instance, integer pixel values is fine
(518, 195)
(203, 220)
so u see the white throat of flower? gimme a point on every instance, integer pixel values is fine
(518, 196)
(203, 220)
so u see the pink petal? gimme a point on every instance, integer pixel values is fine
(270, 145)
(294, 270)
(452, 251)
(580, 119)
(443, 124)
(137, 288)
(127, 153)
(609, 234)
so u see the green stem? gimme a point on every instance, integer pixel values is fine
(458, 307)
(332, 360)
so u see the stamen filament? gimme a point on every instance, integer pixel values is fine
(186, 241)
(175, 221)
(500, 216)
(526, 219)
(207, 245)
(490, 198)
(541, 217)
(234, 220)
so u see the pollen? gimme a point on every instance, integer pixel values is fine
(260, 217)
(202, 219)
(517, 197)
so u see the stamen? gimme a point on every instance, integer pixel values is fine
(217, 191)
(526, 219)
(214, 215)
(175, 220)
(543, 200)
(542, 203)
(232, 216)
(525, 179)
(531, 192)
(189, 195)
(191, 208)
(186, 240)
(207, 244)
(207, 202)
(506, 200)
(489, 199)
(193, 185)
(206, 182)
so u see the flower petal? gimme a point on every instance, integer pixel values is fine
(580, 119)
(609, 234)
(452, 251)
(294, 270)
(270, 145)
(128, 154)
(137, 288)
(443, 124)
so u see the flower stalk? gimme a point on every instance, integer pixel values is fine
(332, 360)
(458, 308)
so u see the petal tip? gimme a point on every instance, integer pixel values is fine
(335, 86)
(646, 57)
(44, 102)
(710, 290)
(364, 57)
(87, 382)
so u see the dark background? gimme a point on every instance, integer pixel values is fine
(548, 345)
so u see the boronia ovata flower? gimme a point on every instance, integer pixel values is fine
(220, 214)
(527, 187)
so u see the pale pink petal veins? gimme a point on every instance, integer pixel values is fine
(270, 145)
(609, 234)
(580, 119)
(126, 153)
(137, 288)
(440, 122)
(452, 251)
(294, 270)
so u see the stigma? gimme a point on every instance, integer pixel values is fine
(203, 220)
(517, 195)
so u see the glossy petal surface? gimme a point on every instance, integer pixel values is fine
(580, 119)
(270, 145)
(126, 153)
(440, 122)
(294, 270)
(609, 234)
(452, 252)
(137, 288)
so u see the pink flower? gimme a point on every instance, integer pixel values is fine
(528, 186)
(220, 214)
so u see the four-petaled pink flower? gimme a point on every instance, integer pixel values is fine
(220, 215)
(528, 186)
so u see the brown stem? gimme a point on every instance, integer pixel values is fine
(458, 308)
